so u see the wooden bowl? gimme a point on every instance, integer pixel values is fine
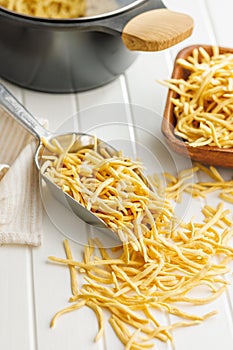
(210, 155)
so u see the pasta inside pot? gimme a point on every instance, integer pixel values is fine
(60, 8)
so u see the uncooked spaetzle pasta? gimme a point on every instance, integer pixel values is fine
(177, 185)
(133, 285)
(133, 290)
(47, 8)
(163, 267)
(60, 8)
(111, 187)
(204, 104)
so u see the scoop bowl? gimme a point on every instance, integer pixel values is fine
(80, 140)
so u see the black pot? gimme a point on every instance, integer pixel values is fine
(79, 54)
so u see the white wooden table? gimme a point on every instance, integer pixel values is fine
(31, 288)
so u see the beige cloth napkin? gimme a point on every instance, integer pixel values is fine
(20, 202)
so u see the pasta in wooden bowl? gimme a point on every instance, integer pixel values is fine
(198, 117)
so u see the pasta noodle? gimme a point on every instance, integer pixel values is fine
(112, 187)
(165, 268)
(176, 186)
(204, 106)
(47, 8)
(60, 8)
(133, 289)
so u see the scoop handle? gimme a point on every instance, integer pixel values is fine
(20, 114)
(156, 30)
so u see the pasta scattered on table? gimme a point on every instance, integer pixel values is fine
(172, 266)
(176, 186)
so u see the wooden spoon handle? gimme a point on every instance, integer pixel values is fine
(156, 30)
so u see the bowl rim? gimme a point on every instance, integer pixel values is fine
(211, 155)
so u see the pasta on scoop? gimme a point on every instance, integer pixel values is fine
(163, 268)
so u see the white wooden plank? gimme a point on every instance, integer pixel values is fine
(203, 30)
(142, 79)
(108, 117)
(211, 26)
(211, 334)
(104, 112)
(17, 321)
(213, 200)
(110, 93)
(56, 108)
(202, 341)
(58, 225)
(16, 292)
(51, 283)
(108, 122)
(52, 289)
(221, 19)
(12, 88)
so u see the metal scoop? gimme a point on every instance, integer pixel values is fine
(20, 114)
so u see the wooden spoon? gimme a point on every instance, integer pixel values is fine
(156, 30)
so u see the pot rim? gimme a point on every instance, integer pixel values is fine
(120, 10)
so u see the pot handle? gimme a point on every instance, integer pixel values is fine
(156, 30)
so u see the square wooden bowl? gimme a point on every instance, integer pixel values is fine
(210, 155)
